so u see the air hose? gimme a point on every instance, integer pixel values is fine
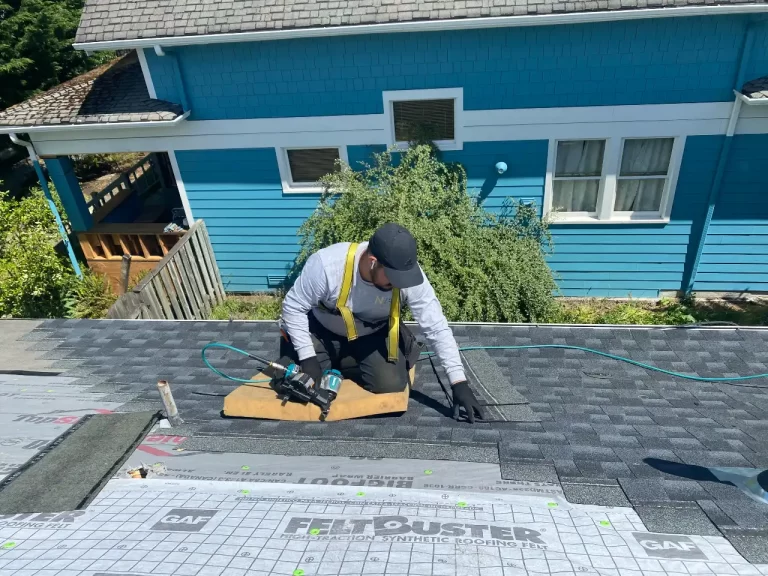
(732, 380)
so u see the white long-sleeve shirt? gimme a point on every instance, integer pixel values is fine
(320, 284)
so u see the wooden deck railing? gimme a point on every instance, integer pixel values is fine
(141, 178)
(184, 285)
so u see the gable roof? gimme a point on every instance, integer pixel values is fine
(116, 20)
(114, 92)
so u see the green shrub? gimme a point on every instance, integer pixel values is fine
(34, 278)
(90, 296)
(256, 307)
(603, 311)
(483, 267)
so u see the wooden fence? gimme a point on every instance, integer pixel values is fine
(185, 285)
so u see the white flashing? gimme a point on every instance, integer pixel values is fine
(146, 73)
(427, 26)
(180, 186)
(455, 94)
(286, 178)
(61, 128)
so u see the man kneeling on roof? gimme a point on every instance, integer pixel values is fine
(343, 312)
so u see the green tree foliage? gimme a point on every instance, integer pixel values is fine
(36, 47)
(483, 267)
(34, 278)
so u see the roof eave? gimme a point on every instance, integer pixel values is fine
(426, 26)
(92, 126)
(752, 101)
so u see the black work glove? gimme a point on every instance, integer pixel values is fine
(311, 367)
(463, 397)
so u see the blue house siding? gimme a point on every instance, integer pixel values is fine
(662, 61)
(735, 256)
(524, 179)
(252, 224)
(639, 260)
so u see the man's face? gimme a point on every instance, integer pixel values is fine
(379, 278)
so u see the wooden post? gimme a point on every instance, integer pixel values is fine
(125, 273)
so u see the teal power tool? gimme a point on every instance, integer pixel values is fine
(292, 384)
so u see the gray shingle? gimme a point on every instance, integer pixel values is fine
(105, 20)
(115, 92)
(582, 436)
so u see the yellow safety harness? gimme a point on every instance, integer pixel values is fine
(349, 319)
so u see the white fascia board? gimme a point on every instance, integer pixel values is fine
(662, 120)
(70, 128)
(426, 26)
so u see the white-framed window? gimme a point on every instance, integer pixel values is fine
(301, 168)
(612, 179)
(425, 114)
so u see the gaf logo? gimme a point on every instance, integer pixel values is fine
(184, 520)
(669, 546)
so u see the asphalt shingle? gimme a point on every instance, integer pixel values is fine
(114, 92)
(107, 20)
(609, 439)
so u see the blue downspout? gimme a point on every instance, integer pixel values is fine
(725, 151)
(51, 204)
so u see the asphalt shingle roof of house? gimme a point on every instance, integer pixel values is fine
(756, 89)
(596, 427)
(114, 92)
(107, 20)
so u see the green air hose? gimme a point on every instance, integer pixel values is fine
(732, 380)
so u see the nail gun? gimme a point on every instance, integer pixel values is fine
(291, 383)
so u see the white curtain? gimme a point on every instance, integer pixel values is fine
(649, 157)
(639, 195)
(575, 195)
(577, 158)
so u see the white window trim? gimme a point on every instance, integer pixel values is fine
(455, 94)
(607, 192)
(291, 187)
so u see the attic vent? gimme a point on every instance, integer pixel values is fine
(276, 281)
(424, 119)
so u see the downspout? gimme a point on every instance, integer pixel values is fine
(51, 204)
(717, 182)
(178, 79)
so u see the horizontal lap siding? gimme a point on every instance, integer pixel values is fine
(735, 256)
(252, 224)
(652, 61)
(526, 162)
(620, 260)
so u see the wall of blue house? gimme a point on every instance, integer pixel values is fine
(253, 224)
(668, 60)
(735, 256)
(639, 260)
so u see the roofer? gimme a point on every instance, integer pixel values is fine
(343, 312)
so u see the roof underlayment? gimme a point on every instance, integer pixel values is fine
(581, 476)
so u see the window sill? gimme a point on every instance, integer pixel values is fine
(303, 190)
(442, 145)
(587, 220)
